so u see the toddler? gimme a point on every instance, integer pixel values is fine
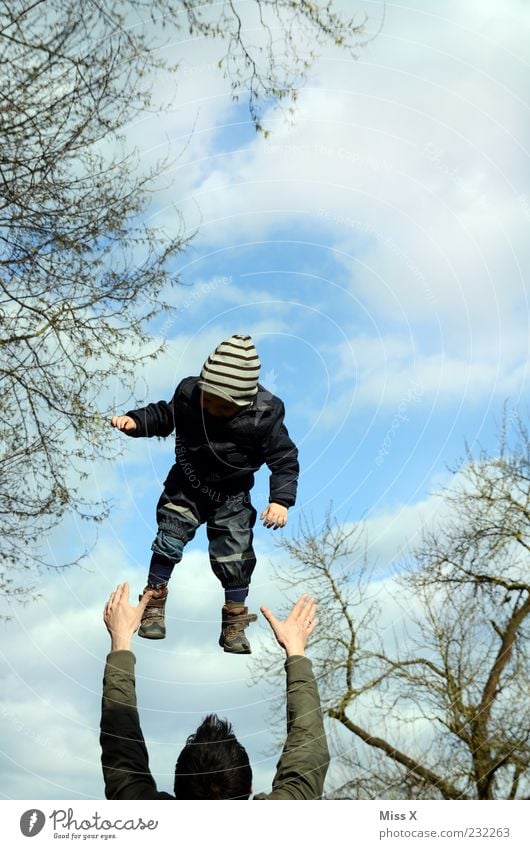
(226, 426)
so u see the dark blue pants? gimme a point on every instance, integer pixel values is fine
(229, 521)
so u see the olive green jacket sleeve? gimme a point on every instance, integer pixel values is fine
(303, 764)
(123, 752)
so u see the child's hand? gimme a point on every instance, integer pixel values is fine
(294, 632)
(274, 516)
(124, 423)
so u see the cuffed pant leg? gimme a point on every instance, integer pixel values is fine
(177, 525)
(230, 535)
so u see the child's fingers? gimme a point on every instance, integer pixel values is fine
(271, 523)
(123, 423)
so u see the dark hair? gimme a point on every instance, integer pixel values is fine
(213, 764)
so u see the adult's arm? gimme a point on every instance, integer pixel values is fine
(302, 768)
(304, 762)
(124, 755)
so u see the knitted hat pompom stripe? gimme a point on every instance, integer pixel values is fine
(232, 370)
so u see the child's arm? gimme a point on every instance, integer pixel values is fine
(281, 456)
(153, 420)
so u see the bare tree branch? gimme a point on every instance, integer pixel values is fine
(82, 274)
(458, 670)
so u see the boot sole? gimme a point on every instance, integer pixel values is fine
(151, 636)
(233, 650)
(237, 651)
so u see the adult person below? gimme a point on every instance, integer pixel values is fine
(212, 764)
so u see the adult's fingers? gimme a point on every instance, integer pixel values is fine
(309, 611)
(144, 601)
(270, 617)
(111, 599)
(299, 606)
(116, 595)
(108, 606)
(311, 627)
(119, 592)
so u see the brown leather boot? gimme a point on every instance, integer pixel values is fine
(235, 618)
(153, 626)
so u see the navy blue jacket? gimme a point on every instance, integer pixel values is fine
(224, 453)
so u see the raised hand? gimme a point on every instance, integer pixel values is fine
(121, 618)
(294, 631)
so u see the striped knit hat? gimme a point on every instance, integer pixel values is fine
(231, 371)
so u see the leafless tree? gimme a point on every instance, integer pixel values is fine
(437, 704)
(81, 273)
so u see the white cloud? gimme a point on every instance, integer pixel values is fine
(392, 375)
(410, 160)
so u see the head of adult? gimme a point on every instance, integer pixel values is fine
(213, 764)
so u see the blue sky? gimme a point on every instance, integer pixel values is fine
(376, 249)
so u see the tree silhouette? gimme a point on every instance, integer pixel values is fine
(437, 705)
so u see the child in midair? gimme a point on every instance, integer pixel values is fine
(226, 426)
